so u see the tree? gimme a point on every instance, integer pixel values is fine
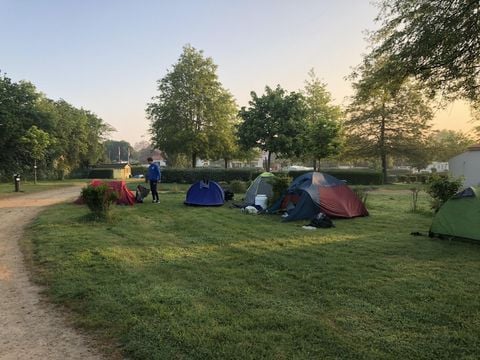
(117, 151)
(446, 144)
(323, 130)
(193, 112)
(436, 41)
(36, 142)
(27, 117)
(274, 122)
(387, 122)
(17, 114)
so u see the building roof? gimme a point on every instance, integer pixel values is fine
(111, 166)
(474, 147)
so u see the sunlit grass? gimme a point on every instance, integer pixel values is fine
(27, 187)
(171, 281)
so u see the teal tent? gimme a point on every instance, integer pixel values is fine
(459, 217)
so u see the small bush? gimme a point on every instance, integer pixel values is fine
(362, 193)
(99, 200)
(441, 188)
(415, 191)
(280, 185)
(238, 187)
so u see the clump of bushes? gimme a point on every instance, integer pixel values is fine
(99, 200)
(441, 188)
(280, 185)
(238, 186)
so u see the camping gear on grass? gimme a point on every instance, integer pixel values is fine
(141, 193)
(316, 192)
(259, 186)
(261, 200)
(459, 216)
(205, 193)
(125, 196)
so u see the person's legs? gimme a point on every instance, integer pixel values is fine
(153, 189)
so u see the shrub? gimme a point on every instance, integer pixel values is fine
(415, 191)
(362, 193)
(139, 170)
(99, 199)
(441, 188)
(238, 186)
(280, 185)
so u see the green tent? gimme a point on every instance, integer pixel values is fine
(459, 217)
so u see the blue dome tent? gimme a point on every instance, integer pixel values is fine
(205, 193)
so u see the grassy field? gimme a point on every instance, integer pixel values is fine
(169, 281)
(8, 189)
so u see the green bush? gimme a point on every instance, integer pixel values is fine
(100, 174)
(441, 188)
(99, 200)
(238, 186)
(139, 170)
(362, 193)
(280, 184)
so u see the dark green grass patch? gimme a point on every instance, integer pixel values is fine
(170, 281)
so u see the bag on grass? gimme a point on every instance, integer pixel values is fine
(141, 193)
(321, 220)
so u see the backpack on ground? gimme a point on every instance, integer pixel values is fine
(321, 220)
(141, 193)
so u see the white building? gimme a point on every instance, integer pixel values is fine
(467, 165)
(438, 166)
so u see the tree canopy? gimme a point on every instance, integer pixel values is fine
(323, 128)
(437, 41)
(384, 123)
(34, 128)
(192, 114)
(273, 122)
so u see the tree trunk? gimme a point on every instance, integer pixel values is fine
(269, 156)
(226, 163)
(194, 160)
(383, 150)
(314, 164)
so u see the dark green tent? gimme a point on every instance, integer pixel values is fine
(459, 217)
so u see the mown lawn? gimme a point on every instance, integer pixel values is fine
(169, 281)
(8, 189)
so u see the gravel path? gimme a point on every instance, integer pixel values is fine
(30, 328)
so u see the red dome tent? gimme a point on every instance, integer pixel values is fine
(125, 196)
(316, 192)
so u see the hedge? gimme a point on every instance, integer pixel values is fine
(189, 176)
(139, 170)
(100, 174)
(352, 177)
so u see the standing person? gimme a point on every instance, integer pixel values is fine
(153, 175)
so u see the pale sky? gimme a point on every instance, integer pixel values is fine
(107, 55)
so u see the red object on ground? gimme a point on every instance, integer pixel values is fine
(125, 196)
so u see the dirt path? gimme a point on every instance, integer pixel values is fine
(29, 327)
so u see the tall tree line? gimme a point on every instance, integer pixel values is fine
(52, 135)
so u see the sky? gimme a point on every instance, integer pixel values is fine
(106, 56)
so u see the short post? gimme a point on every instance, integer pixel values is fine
(16, 179)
